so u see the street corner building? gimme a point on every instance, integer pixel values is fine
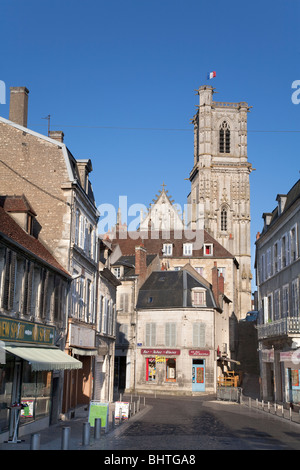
(182, 320)
(33, 286)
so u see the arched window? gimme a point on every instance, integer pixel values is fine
(223, 220)
(224, 138)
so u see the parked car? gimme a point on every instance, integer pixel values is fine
(252, 315)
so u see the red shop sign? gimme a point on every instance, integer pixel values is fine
(199, 352)
(161, 352)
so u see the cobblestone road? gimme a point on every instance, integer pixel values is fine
(202, 423)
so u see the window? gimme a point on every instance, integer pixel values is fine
(77, 226)
(199, 335)
(198, 298)
(150, 339)
(293, 238)
(223, 220)
(224, 138)
(117, 272)
(276, 304)
(124, 304)
(295, 298)
(283, 251)
(285, 301)
(222, 271)
(269, 266)
(123, 334)
(170, 334)
(276, 257)
(207, 249)
(270, 307)
(200, 270)
(167, 249)
(187, 249)
(171, 370)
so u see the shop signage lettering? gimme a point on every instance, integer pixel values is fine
(198, 352)
(25, 332)
(161, 352)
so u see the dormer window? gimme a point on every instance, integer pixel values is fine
(208, 249)
(167, 249)
(187, 249)
(199, 297)
(117, 272)
(224, 138)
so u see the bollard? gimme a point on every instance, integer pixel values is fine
(268, 406)
(86, 434)
(120, 415)
(65, 438)
(275, 408)
(97, 429)
(35, 441)
(256, 402)
(249, 402)
(144, 401)
(134, 407)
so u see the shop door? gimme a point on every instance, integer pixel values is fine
(198, 375)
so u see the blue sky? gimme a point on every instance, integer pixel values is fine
(119, 78)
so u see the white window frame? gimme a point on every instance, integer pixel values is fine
(170, 334)
(150, 334)
(208, 246)
(187, 249)
(167, 249)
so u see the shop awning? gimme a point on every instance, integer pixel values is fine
(44, 358)
(81, 351)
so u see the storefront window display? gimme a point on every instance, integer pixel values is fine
(171, 370)
(36, 393)
(6, 385)
(150, 369)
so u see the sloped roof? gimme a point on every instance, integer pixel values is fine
(171, 289)
(11, 230)
(291, 197)
(16, 204)
(153, 243)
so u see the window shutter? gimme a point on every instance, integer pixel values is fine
(12, 279)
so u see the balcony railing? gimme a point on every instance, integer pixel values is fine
(282, 327)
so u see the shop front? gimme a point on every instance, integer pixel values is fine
(290, 362)
(180, 371)
(30, 365)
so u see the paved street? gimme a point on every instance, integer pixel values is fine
(202, 423)
(181, 424)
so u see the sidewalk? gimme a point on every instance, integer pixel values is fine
(51, 437)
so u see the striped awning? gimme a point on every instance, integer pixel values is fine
(44, 358)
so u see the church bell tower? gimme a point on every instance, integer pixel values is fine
(220, 187)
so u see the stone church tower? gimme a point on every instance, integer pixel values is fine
(220, 188)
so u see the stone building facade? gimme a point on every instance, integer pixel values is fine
(278, 280)
(59, 188)
(33, 288)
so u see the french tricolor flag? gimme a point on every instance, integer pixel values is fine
(211, 75)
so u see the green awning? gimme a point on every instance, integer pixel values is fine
(44, 358)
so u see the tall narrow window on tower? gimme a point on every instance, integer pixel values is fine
(223, 219)
(224, 138)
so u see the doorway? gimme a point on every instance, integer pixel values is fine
(198, 375)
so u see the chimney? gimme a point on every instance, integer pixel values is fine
(140, 261)
(18, 107)
(57, 135)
